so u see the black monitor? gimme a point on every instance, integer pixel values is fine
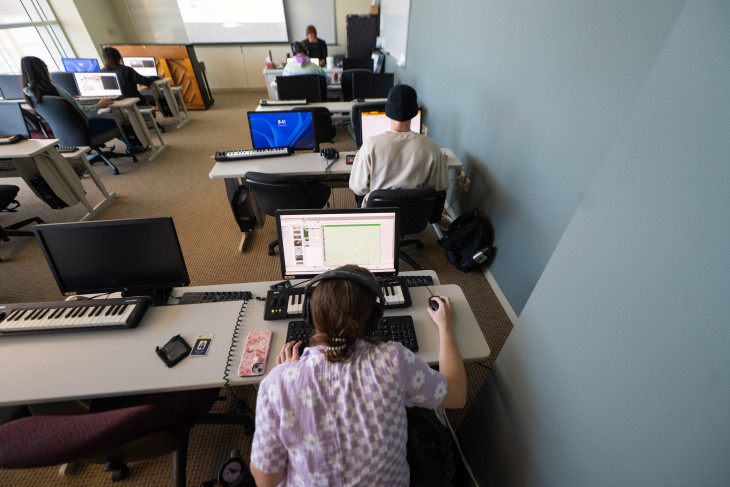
(66, 81)
(137, 257)
(11, 86)
(316, 241)
(372, 85)
(310, 87)
(80, 65)
(283, 128)
(11, 119)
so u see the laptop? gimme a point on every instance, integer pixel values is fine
(374, 122)
(145, 66)
(80, 65)
(93, 86)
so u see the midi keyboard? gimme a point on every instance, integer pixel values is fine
(242, 154)
(270, 102)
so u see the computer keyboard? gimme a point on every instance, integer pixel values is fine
(239, 154)
(214, 297)
(391, 328)
(269, 102)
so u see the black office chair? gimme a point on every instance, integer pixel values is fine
(311, 87)
(71, 128)
(276, 192)
(357, 63)
(8, 203)
(418, 208)
(346, 81)
(324, 129)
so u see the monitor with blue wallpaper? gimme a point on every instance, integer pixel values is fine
(282, 129)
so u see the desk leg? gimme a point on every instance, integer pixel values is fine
(105, 202)
(149, 115)
(178, 95)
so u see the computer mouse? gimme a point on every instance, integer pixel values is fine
(433, 304)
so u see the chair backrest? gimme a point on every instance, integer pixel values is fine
(346, 81)
(311, 87)
(11, 86)
(276, 192)
(66, 81)
(11, 119)
(418, 207)
(357, 63)
(372, 85)
(324, 130)
(68, 123)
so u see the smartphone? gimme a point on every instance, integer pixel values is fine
(255, 353)
(349, 159)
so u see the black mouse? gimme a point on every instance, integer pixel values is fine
(433, 304)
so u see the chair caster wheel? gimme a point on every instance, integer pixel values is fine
(272, 252)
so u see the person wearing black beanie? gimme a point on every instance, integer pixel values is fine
(398, 158)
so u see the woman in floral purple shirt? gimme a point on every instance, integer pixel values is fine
(336, 415)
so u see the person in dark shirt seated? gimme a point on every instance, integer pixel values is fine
(316, 48)
(128, 77)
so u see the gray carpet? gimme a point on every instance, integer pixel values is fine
(177, 185)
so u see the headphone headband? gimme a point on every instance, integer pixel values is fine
(355, 277)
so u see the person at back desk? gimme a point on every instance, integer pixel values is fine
(36, 80)
(301, 64)
(398, 158)
(127, 76)
(315, 47)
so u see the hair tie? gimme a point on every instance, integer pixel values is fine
(343, 345)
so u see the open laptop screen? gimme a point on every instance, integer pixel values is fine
(102, 85)
(376, 122)
(281, 129)
(80, 65)
(315, 241)
(143, 65)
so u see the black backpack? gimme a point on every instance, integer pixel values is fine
(469, 241)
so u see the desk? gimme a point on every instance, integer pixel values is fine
(65, 366)
(39, 156)
(127, 110)
(303, 164)
(333, 81)
(172, 95)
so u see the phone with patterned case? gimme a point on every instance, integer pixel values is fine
(255, 353)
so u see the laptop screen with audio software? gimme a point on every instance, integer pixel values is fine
(376, 122)
(143, 65)
(102, 85)
(315, 241)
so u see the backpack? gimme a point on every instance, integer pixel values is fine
(469, 241)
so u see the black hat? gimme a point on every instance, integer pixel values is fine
(402, 104)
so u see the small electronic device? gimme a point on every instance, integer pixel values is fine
(349, 159)
(255, 353)
(173, 351)
(282, 129)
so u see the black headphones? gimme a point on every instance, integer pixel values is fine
(355, 277)
(330, 153)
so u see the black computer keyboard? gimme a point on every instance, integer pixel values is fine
(391, 328)
(214, 297)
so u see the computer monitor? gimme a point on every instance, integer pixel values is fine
(66, 81)
(145, 66)
(137, 257)
(80, 65)
(371, 85)
(315, 241)
(102, 85)
(375, 122)
(282, 129)
(11, 119)
(11, 86)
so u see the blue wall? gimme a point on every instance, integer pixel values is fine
(606, 157)
(530, 95)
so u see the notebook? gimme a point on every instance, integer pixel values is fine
(98, 85)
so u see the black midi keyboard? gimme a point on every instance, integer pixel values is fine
(242, 154)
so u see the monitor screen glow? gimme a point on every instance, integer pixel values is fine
(132, 256)
(376, 122)
(80, 65)
(282, 129)
(145, 66)
(98, 84)
(315, 241)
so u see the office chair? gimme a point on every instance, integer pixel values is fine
(8, 203)
(346, 82)
(324, 129)
(357, 63)
(276, 192)
(371, 85)
(418, 208)
(113, 432)
(311, 87)
(71, 128)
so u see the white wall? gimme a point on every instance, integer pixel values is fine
(617, 372)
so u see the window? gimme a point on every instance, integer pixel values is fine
(29, 28)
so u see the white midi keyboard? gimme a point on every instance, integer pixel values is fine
(240, 154)
(270, 102)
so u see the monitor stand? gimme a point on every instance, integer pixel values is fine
(159, 296)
